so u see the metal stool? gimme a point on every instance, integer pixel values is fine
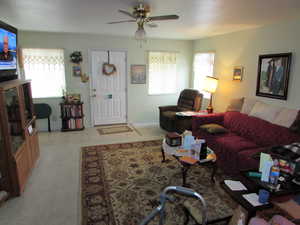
(43, 111)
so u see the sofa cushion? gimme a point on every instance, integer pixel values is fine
(235, 143)
(257, 130)
(265, 111)
(228, 149)
(246, 161)
(286, 117)
(248, 105)
(235, 105)
(213, 128)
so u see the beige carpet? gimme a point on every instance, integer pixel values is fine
(114, 129)
(121, 184)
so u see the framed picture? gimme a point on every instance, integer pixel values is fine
(138, 74)
(76, 71)
(273, 75)
(238, 72)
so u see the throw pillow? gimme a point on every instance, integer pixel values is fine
(264, 111)
(286, 117)
(235, 105)
(248, 105)
(296, 124)
(213, 128)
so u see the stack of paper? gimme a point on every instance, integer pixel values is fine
(253, 199)
(235, 185)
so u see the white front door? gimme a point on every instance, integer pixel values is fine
(109, 92)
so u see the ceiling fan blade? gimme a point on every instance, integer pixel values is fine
(127, 13)
(123, 21)
(166, 17)
(152, 25)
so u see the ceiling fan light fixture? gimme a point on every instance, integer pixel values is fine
(140, 34)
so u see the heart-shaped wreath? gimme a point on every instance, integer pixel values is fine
(108, 69)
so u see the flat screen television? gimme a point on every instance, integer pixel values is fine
(8, 52)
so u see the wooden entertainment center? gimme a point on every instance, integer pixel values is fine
(19, 147)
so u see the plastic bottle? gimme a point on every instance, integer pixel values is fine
(274, 173)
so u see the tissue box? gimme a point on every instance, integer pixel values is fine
(173, 139)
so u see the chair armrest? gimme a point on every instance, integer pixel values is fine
(168, 108)
(197, 121)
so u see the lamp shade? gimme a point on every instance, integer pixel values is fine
(210, 84)
(140, 34)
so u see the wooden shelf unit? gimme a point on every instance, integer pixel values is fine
(72, 116)
(19, 147)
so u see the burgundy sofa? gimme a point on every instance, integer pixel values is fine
(246, 136)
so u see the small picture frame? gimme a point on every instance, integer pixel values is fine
(76, 71)
(138, 74)
(238, 72)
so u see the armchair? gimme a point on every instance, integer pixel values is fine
(189, 100)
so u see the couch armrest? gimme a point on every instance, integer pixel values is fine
(168, 108)
(205, 119)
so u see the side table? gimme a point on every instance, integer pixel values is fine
(237, 196)
(184, 119)
(186, 166)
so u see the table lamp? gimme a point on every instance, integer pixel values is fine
(210, 86)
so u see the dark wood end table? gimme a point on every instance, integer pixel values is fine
(237, 196)
(185, 167)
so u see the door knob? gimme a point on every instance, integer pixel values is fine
(94, 96)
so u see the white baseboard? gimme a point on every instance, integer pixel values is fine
(150, 124)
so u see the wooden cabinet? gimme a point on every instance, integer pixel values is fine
(19, 147)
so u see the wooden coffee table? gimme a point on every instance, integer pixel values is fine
(186, 166)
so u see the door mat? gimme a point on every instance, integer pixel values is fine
(121, 183)
(114, 129)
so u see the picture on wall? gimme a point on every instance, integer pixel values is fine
(76, 71)
(238, 72)
(138, 74)
(273, 75)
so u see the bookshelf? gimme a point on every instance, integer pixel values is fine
(72, 116)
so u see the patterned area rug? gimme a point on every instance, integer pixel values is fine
(114, 129)
(121, 184)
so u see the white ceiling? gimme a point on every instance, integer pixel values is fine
(198, 18)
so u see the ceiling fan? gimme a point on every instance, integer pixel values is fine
(141, 15)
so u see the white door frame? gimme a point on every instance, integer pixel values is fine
(91, 80)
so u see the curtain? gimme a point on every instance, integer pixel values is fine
(162, 72)
(46, 69)
(203, 66)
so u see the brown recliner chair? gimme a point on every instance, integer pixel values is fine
(189, 100)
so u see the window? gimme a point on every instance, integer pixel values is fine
(46, 69)
(203, 66)
(162, 73)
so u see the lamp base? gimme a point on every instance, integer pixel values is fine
(210, 109)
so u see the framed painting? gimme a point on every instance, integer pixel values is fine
(273, 75)
(76, 71)
(138, 74)
(238, 72)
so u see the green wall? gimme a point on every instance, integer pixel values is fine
(242, 49)
(234, 49)
(142, 108)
